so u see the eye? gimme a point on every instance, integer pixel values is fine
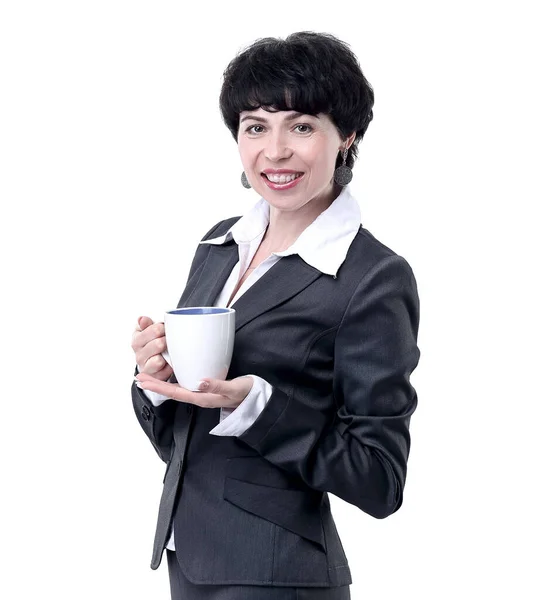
(309, 128)
(248, 129)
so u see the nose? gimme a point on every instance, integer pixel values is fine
(276, 148)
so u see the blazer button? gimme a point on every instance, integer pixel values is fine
(145, 413)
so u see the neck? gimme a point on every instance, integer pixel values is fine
(285, 226)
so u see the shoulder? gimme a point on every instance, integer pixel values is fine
(368, 255)
(366, 242)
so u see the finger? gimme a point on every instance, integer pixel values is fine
(152, 332)
(164, 373)
(140, 339)
(219, 386)
(143, 325)
(173, 390)
(144, 322)
(153, 365)
(153, 348)
(152, 368)
(233, 391)
(177, 392)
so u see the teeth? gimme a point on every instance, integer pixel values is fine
(281, 178)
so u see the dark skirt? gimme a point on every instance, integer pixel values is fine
(183, 589)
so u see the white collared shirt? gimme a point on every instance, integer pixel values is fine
(323, 245)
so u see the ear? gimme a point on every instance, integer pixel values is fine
(348, 142)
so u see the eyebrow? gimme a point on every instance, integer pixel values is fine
(291, 117)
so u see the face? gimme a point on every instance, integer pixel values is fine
(297, 152)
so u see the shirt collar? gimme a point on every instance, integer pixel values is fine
(323, 244)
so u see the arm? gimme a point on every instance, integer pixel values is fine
(154, 413)
(156, 421)
(361, 456)
(233, 421)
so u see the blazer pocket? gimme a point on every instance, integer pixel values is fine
(256, 469)
(294, 510)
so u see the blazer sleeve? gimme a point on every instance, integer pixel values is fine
(157, 421)
(361, 454)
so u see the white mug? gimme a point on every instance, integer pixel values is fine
(199, 343)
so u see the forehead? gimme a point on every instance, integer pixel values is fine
(265, 115)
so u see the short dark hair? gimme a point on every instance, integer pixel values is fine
(308, 72)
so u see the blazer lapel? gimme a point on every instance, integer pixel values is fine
(217, 268)
(286, 278)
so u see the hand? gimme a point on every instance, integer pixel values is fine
(218, 394)
(148, 343)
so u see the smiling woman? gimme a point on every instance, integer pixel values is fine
(293, 117)
(317, 398)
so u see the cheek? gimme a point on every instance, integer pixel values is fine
(318, 152)
(245, 151)
(318, 157)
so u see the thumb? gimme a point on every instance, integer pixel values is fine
(144, 322)
(215, 386)
(209, 385)
(226, 387)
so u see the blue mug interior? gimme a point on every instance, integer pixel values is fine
(207, 310)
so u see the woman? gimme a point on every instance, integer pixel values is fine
(318, 397)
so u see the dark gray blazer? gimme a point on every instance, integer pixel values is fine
(338, 352)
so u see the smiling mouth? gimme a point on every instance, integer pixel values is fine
(281, 179)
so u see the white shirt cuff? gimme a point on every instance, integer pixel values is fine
(155, 398)
(235, 421)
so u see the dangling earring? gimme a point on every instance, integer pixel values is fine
(343, 174)
(244, 181)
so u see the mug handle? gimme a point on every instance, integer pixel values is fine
(167, 357)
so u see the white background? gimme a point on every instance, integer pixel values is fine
(114, 162)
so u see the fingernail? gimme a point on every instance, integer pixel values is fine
(203, 385)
